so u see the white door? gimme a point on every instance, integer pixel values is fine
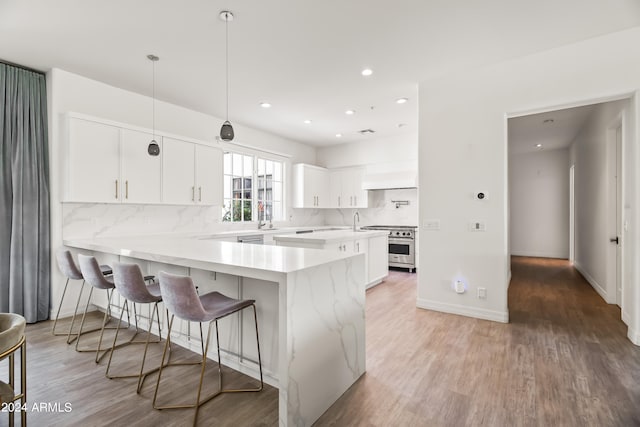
(178, 172)
(208, 175)
(619, 230)
(94, 162)
(572, 215)
(140, 172)
(614, 258)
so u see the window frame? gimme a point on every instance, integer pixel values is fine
(256, 156)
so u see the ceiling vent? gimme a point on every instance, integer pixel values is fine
(366, 131)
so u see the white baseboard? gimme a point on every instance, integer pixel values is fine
(69, 311)
(537, 254)
(633, 335)
(594, 284)
(625, 318)
(463, 310)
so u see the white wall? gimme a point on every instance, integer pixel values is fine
(463, 148)
(539, 203)
(370, 151)
(69, 92)
(589, 154)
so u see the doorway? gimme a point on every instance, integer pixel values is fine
(579, 215)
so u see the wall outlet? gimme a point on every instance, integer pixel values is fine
(482, 293)
(459, 286)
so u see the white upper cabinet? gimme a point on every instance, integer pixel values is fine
(178, 172)
(208, 180)
(191, 173)
(140, 177)
(310, 186)
(109, 163)
(345, 188)
(93, 162)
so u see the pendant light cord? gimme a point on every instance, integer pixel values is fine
(154, 99)
(226, 31)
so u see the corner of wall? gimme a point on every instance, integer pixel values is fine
(594, 284)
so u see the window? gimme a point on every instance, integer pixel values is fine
(253, 188)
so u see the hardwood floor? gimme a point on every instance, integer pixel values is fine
(58, 374)
(564, 360)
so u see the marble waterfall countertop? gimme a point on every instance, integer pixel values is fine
(329, 236)
(235, 258)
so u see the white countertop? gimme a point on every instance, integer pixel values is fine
(321, 237)
(210, 254)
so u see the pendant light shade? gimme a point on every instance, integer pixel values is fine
(153, 149)
(226, 131)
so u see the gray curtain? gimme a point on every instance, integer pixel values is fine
(24, 194)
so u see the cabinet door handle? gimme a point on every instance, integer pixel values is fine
(116, 189)
(338, 200)
(358, 246)
(193, 194)
(126, 189)
(199, 194)
(355, 200)
(350, 200)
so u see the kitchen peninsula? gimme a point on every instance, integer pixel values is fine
(310, 309)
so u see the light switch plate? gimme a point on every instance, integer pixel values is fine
(477, 226)
(432, 224)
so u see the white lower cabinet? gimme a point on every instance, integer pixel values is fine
(375, 249)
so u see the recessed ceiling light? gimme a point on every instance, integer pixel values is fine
(401, 100)
(350, 112)
(306, 122)
(367, 72)
(538, 145)
(265, 105)
(338, 135)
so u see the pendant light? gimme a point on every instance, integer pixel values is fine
(153, 149)
(226, 131)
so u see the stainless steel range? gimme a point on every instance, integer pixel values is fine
(401, 245)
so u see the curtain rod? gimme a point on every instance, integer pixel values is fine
(12, 64)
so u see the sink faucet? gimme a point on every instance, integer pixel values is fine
(261, 224)
(355, 214)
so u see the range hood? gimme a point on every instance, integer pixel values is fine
(391, 176)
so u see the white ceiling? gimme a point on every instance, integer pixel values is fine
(554, 129)
(303, 57)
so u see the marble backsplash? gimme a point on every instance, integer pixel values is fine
(381, 211)
(85, 220)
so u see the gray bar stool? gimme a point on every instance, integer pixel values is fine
(69, 269)
(93, 275)
(12, 339)
(130, 283)
(181, 299)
